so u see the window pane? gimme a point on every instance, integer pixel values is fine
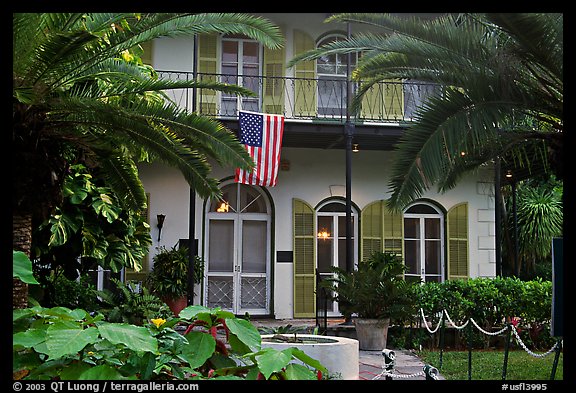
(412, 228)
(250, 52)
(325, 224)
(221, 247)
(325, 254)
(229, 52)
(342, 253)
(251, 201)
(412, 256)
(432, 256)
(342, 226)
(229, 195)
(254, 246)
(432, 228)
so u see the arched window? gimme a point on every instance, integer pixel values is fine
(424, 242)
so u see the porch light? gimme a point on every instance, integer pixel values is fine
(160, 223)
(323, 234)
(223, 208)
(355, 148)
(509, 174)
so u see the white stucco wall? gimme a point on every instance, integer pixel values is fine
(311, 173)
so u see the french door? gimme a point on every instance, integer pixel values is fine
(238, 252)
(423, 244)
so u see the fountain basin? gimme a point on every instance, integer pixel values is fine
(340, 355)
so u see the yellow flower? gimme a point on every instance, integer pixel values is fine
(158, 322)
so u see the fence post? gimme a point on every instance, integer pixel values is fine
(556, 357)
(506, 350)
(442, 328)
(469, 339)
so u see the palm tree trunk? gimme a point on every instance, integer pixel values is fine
(21, 241)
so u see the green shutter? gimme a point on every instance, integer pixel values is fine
(305, 74)
(131, 274)
(147, 54)
(274, 81)
(207, 64)
(304, 260)
(393, 231)
(393, 92)
(371, 228)
(458, 242)
(382, 230)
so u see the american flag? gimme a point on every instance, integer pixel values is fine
(262, 135)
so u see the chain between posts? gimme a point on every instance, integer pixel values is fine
(431, 373)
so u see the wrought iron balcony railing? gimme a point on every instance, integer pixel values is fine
(318, 100)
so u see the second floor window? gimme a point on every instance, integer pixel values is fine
(240, 66)
(331, 71)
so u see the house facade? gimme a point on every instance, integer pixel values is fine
(266, 247)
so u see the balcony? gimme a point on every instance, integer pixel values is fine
(314, 109)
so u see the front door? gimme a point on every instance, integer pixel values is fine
(238, 251)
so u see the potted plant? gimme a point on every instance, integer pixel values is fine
(373, 295)
(169, 276)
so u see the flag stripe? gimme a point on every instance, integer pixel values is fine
(262, 137)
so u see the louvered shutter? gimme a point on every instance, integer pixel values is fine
(304, 90)
(393, 92)
(373, 104)
(457, 228)
(393, 231)
(304, 260)
(147, 54)
(273, 94)
(131, 274)
(382, 230)
(207, 70)
(371, 227)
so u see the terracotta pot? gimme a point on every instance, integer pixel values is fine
(176, 305)
(372, 334)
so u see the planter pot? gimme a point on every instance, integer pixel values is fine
(372, 334)
(338, 354)
(176, 305)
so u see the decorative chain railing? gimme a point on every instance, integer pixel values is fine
(509, 328)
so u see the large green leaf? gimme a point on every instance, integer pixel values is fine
(136, 338)
(22, 267)
(271, 360)
(28, 338)
(62, 339)
(101, 372)
(299, 372)
(245, 332)
(199, 348)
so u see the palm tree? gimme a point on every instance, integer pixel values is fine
(502, 76)
(75, 99)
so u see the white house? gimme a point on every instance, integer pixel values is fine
(264, 248)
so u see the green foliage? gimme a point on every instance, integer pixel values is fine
(492, 302)
(540, 217)
(60, 343)
(376, 289)
(22, 267)
(91, 224)
(169, 275)
(73, 293)
(130, 305)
